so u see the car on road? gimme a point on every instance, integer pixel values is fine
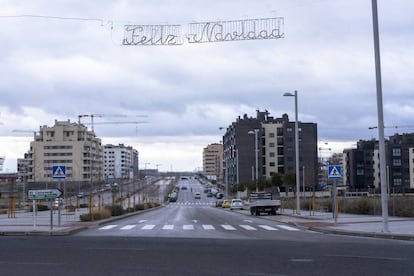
(197, 195)
(219, 202)
(184, 188)
(236, 204)
(226, 204)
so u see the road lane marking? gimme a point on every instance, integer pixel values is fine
(208, 227)
(108, 227)
(129, 227)
(228, 227)
(188, 227)
(168, 227)
(267, 227)
(142, 221)
(247, 227)
(148, 227)
(288, 228)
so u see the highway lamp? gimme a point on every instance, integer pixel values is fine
(295, 94)
(255, 132)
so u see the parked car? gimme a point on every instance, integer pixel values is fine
(236, 204)
(197, 195)
(219, 195)
(226, 204)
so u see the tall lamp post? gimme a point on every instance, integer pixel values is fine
(255, 131)
(288, 94)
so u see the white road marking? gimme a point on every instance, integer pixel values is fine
(148, 227)
(247, 227)
(208, 227)
(168, 227)
(108, 227)
(288, 228)
(188, 227)
(267, 227)
(228, 227)
(129, 227)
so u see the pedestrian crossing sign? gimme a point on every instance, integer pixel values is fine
(334, 171)
(58, 171)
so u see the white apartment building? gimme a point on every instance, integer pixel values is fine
(65, 144)
(120, 162)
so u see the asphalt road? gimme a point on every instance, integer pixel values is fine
(74, 255)
(191, 237)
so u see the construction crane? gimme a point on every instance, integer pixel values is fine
(25, 131)
(92, 116)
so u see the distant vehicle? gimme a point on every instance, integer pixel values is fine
(226, 204)
(219, 195)
(219, 202)
(209, 194)
(184, 188)
(236, 204)
(58, 201)
(262, 202)
(173, 197)
(197, 195)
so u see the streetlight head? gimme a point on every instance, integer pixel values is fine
(288, 94)
(250, 132)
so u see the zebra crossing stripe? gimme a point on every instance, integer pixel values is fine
(148, 227)
(208, 227)
(168, 227)
(188, 227)
(108, 227)
(267, 227)
(286, 227)
(128, 227)
(228, 227)
(247, 227)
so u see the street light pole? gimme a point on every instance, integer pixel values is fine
(296, 150)
(256, 156)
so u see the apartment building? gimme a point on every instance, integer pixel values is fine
(213, 161)
(275, 147)
(362, 170)
(65, 144)
(120, 162)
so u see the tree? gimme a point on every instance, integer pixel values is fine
(289, 179)
(276, 180)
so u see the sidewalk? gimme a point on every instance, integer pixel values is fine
(25, 224)
(351, 224)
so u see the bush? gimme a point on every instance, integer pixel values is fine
(139, 207)
(116, 210)
(96, 215)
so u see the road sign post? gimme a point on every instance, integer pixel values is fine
(49, 194)
(334, 172)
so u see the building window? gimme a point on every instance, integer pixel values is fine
(396, 152)
(271, 154)
(272, 145)
(396, 162)
(397, 182)
(272, 164)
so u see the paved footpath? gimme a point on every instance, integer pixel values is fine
(346, 224)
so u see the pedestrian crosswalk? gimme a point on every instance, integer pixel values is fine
(189, 203)
(192, 227)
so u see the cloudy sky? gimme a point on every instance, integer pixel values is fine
(60, 59)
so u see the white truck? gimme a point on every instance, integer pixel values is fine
(263, 202)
